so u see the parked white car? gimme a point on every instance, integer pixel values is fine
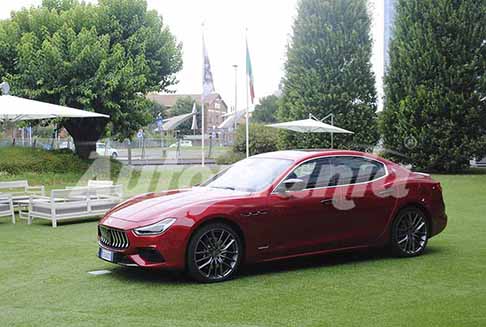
(478, 163)
(184, 143)
(103, 150)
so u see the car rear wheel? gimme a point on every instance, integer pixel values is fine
(214, 253)
(409, 232)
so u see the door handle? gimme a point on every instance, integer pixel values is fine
(326, 202)
(386, 192)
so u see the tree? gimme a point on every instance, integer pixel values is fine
(266, 111)
(328, 70)
(156, 110)
(434, 117)
(101, 58)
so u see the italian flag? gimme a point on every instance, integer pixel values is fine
(249, 73)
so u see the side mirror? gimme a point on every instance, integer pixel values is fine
(293, 184)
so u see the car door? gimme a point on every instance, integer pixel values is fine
(362, 199)
(302, 219)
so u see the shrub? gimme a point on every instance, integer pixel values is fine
(262, 139)
(16, 160)
(230, 158)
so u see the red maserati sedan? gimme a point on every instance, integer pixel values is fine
(274, 206)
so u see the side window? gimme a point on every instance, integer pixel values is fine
(315, 173)
(352, 170)
(304, 172)
(323, 173)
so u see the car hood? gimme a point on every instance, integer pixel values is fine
(161, 205)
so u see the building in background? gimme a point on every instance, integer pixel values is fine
(214, 107)
(389, 16)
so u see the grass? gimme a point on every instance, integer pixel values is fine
(44, 280)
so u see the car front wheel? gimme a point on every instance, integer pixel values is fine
(214, 253)
(409, 232)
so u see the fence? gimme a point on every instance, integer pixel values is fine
(141, 151)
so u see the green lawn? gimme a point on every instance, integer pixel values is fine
(134, 180)
(44, 280)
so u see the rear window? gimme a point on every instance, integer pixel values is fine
(352, 170)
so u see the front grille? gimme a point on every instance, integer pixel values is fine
(113, 238)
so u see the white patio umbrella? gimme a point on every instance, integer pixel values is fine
(229, 122)
(174, 122)
(194, 118)
(16, 109)
(311, 125)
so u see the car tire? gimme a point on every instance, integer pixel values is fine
(409, 232)
(114, 156)
(214, 253)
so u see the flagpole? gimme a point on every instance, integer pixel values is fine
(247, 103)
(247, 120)
(202, 98)
(202, 130)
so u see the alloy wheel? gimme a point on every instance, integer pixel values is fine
(216, 254)
(411, 232)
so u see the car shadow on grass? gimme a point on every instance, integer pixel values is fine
(133, 274)
(315, 261)
(362, 256)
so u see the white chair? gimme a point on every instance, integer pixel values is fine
(6, 207)
(20, 190)
(97, 183)
(75, 203)
(92, 184)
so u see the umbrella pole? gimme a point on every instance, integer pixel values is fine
(332, 134)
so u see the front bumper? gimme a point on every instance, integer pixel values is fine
(165, 251)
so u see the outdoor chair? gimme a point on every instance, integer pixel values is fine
(82, 202)
(20, 190)
(99, 183)
(93, 184)
(6, 207)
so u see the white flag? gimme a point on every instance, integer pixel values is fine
(208, 86)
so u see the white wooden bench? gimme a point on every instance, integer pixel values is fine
(20, 190)
(6, 207)
(80, 202)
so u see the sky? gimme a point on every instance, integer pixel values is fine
(268, 24)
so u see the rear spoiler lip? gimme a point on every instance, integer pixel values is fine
(422, 175)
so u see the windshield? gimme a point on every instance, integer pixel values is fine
(249, 175)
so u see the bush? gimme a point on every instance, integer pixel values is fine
(230, 158)
(262, 139)
(16, 160)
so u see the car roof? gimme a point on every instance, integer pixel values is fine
(299, 155)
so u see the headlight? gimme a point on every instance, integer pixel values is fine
(155, 229)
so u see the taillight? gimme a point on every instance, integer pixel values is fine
(437, 187)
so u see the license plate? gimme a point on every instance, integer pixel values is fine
(106, 255)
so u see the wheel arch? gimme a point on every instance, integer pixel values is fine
(218, 219)
(421, 207)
